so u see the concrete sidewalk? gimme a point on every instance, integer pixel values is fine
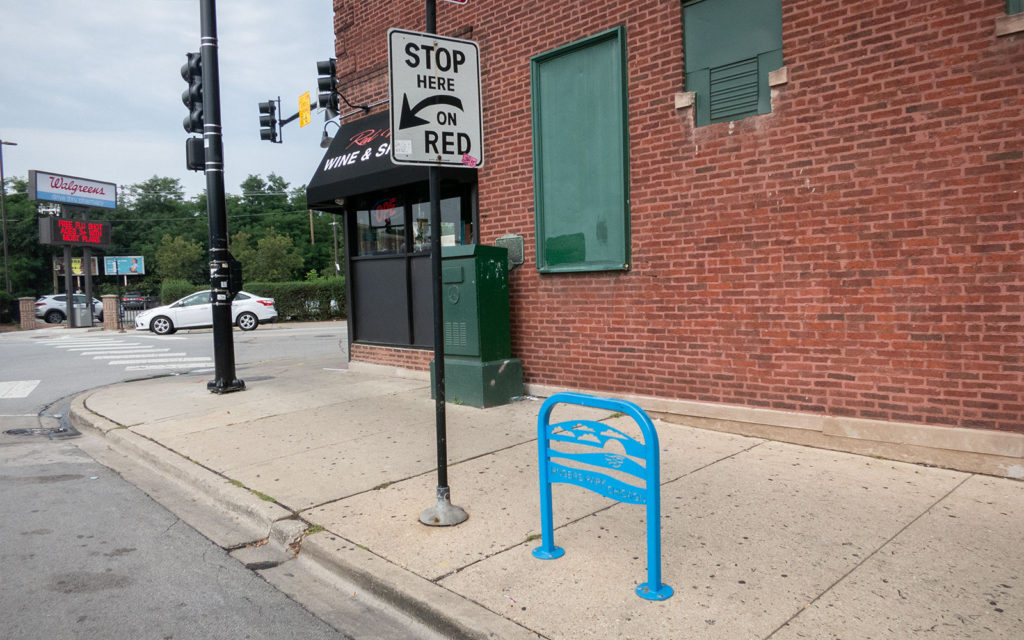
(760, 539)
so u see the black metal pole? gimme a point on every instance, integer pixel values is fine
(444, 513)
(223, 343)
(3, 213)
(69, 287)
(435, 269)
(87, 274)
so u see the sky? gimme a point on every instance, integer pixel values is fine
(92, 89)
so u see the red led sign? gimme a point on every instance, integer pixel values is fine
(86, 233)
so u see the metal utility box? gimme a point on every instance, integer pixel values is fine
(479, 369)
(83, 315)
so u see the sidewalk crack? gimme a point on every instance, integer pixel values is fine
(869, 556)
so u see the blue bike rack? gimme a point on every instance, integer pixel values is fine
(590, 433)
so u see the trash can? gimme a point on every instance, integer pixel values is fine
(83, 315)
(479, 368)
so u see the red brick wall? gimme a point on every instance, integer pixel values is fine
(414, 359)
(857, 252)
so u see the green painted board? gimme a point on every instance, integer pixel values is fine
(581, 155)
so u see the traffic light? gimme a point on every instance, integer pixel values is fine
(268, 121)
(192, 73)
(327, 84)
(195, 154)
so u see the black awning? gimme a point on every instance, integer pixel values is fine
(359, 161)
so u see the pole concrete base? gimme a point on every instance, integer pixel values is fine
(444, 513)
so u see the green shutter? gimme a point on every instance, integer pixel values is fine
(733, 90)
(730, 46)
(1014, 6)
(581, 155)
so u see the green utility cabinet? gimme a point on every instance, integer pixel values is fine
(479, 369)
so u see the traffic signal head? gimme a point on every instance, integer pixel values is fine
(327, 84)
(195, 154)
(268, 121)
(192, 73)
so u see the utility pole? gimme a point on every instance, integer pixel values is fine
(220, 259)
(3, 213)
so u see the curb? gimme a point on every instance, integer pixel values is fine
(438, 608)
(443, 610)
(252, 519)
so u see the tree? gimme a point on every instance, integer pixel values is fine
(30, 262)
(274, 258)
(178, 258)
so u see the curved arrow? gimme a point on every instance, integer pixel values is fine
(409, 117)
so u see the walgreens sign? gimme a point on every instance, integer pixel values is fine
(53, 187)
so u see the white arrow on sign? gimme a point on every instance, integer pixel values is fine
(434, 88)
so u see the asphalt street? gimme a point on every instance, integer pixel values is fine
(86, 554)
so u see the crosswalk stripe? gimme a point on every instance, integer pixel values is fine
(156, 360)
(116, 351)
(138, 356)
(133, 356)
(153, 367)
(17, 388)
(114, 347)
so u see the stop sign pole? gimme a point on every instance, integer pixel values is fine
(443, 513)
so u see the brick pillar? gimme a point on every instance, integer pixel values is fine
(27, 312)
(110, 312)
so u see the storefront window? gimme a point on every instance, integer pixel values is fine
(455, 229)
(381, 228)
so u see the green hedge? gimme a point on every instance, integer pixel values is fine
(310, 300)
(171, 290)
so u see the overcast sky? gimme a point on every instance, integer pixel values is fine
(92, 88)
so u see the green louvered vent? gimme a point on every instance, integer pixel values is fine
(734, 90)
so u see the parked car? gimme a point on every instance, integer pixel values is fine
(195, 311)
(54, 308)
(133, 300)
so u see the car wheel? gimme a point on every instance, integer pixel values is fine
(247, 321)
(161, 325)
(54, 317)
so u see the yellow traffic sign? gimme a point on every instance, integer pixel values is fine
(304, 109)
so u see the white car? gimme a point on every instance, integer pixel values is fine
(54, 308)
(195, 311)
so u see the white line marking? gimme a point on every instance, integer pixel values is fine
(151, 367)
(138, 356)
(155, 360)
(17, 388)
(117, 351)
(132, 350)
(125, 345)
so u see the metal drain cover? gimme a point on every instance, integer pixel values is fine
(50, 432)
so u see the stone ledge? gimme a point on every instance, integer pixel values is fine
(1006, 25)
(976, 450)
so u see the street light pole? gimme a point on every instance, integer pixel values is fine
(3, 213)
